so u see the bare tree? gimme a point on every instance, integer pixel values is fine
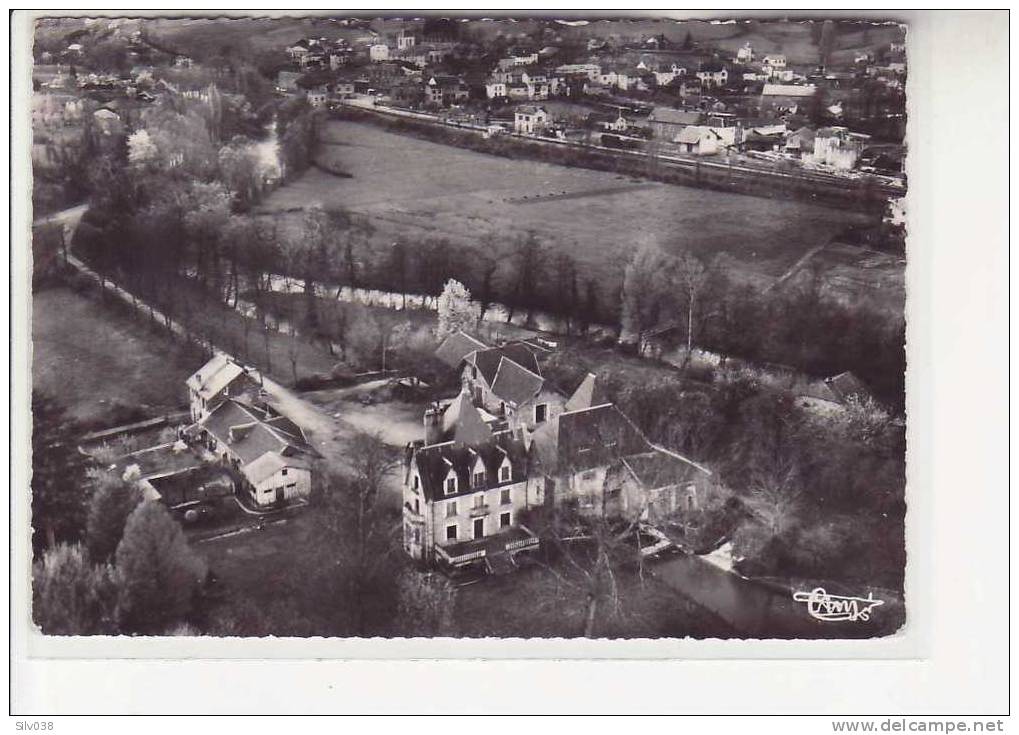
(692, 276)
(776, 497)
(293, 350)
(589, 549)
(357, 539)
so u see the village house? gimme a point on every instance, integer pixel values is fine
(778, 75)
(506, 381)
(216, 381)
(446, 90)
(778, 99)
(530, 120)
(713, 74)
(699, 140)
(343, 87)
(666, 122)
(775, 61)
(407, 92)
(317, 96)
(298, 50)
(838, 147)
(495, 89)
(800, 142)
(798, 91)
(615, 122)
(378, 52)
(665, 77)
(745, 54)
(269, 450)
(519, 59)
(315, 59)
(405, 39)
(591, 71)
(831, 395)
(518, 91)
(591, 455)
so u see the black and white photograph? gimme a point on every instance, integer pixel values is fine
(487, 362)
(463, 327)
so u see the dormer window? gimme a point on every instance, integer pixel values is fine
(450, 484)
(540, 413)
(505, 472)
(478, 479)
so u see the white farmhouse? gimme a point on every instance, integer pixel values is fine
(530, 120)
(269, 450)
(216, 381)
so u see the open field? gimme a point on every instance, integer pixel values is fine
(99, 362)
(202, 35)
(394, 180)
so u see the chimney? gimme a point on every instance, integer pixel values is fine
(433, 425)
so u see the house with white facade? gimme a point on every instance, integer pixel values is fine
(530, 119)
(269, 450)
(462, 498)
(713, 75)
(699, 140)
(838, 147)
(476, 473)
(219, 379)
(591, 71)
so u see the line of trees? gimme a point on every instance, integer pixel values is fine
(797, 325)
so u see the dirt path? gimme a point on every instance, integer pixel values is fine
(330, 436)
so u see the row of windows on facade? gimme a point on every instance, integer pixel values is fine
(479, 502)
(277, 489)
(477, 479)
(453, 529)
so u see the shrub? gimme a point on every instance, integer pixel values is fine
(157, 573)
(70, 595)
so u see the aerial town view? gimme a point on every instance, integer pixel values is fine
(469, 328)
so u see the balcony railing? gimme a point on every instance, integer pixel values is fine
(461, 558)
(524, 543)
(479, 510)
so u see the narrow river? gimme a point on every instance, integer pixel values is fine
(759, 611)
